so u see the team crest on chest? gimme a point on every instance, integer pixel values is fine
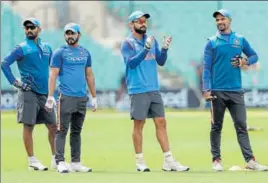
(29, 49)
(46, 50)
(236, 42)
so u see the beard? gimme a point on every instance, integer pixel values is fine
(141, 30)
(31, 36)
(71, 41)
(221, 27)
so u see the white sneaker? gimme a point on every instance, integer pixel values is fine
(62, 167)
(53, 164)
(78, 167)
(254, 165)
(174, 166)
(37, 166)
(217, 165)
(141, 166)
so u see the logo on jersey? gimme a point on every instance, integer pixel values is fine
(46, 51)
(29, 50)
(236, 43)
(76, 59)
(80, 56)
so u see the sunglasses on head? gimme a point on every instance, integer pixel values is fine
(31, 27)
(140, 21)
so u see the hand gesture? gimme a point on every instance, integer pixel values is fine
(149, 42)
(22, 86)
(166, 42)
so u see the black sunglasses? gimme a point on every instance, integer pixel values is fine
(32, 27)
(69, 32)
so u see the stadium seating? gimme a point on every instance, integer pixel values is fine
(108, 68)
(248, 19)
(190, 23)
(11, 22)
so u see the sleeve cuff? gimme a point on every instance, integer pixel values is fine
(248, 62)
(55, 66)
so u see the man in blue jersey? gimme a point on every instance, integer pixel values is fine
(72, 63)
(222, 86)
(33, 57)
(141, 55)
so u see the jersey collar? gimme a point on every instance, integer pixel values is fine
(140, 41)
(32, 41)
(220, 36)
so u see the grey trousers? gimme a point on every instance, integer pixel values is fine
(71, 111)
(234, 101)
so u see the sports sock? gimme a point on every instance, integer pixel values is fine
(168, 156)
(32, 159)
(139, 157)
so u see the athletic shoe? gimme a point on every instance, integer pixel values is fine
(141, 166)
(37, 166)
(217, 165)
(78, 167)
(254, 165)
(62, 167)
(174, 166)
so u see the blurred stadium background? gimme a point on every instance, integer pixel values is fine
(104, 25)
(106, 134)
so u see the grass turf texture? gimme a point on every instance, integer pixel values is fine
(107, 148)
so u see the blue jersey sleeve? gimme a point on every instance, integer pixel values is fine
(56, 59)
(160, 56)
(88, 60)
(131, 59)
(15, 55)
(207, 65)
(249, 52)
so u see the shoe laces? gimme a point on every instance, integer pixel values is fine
(79, 165)
(255, 163)
(174, 163)
(63, 164)
(36, 161)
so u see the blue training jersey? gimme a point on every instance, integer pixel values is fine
(33, 64)
(72, 62)
(141, 64)
(218, 72)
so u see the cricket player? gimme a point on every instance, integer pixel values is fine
(141, 54)
(72, 63)
(33, 57)
(222, 85)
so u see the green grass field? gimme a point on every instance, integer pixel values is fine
(107, 148)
